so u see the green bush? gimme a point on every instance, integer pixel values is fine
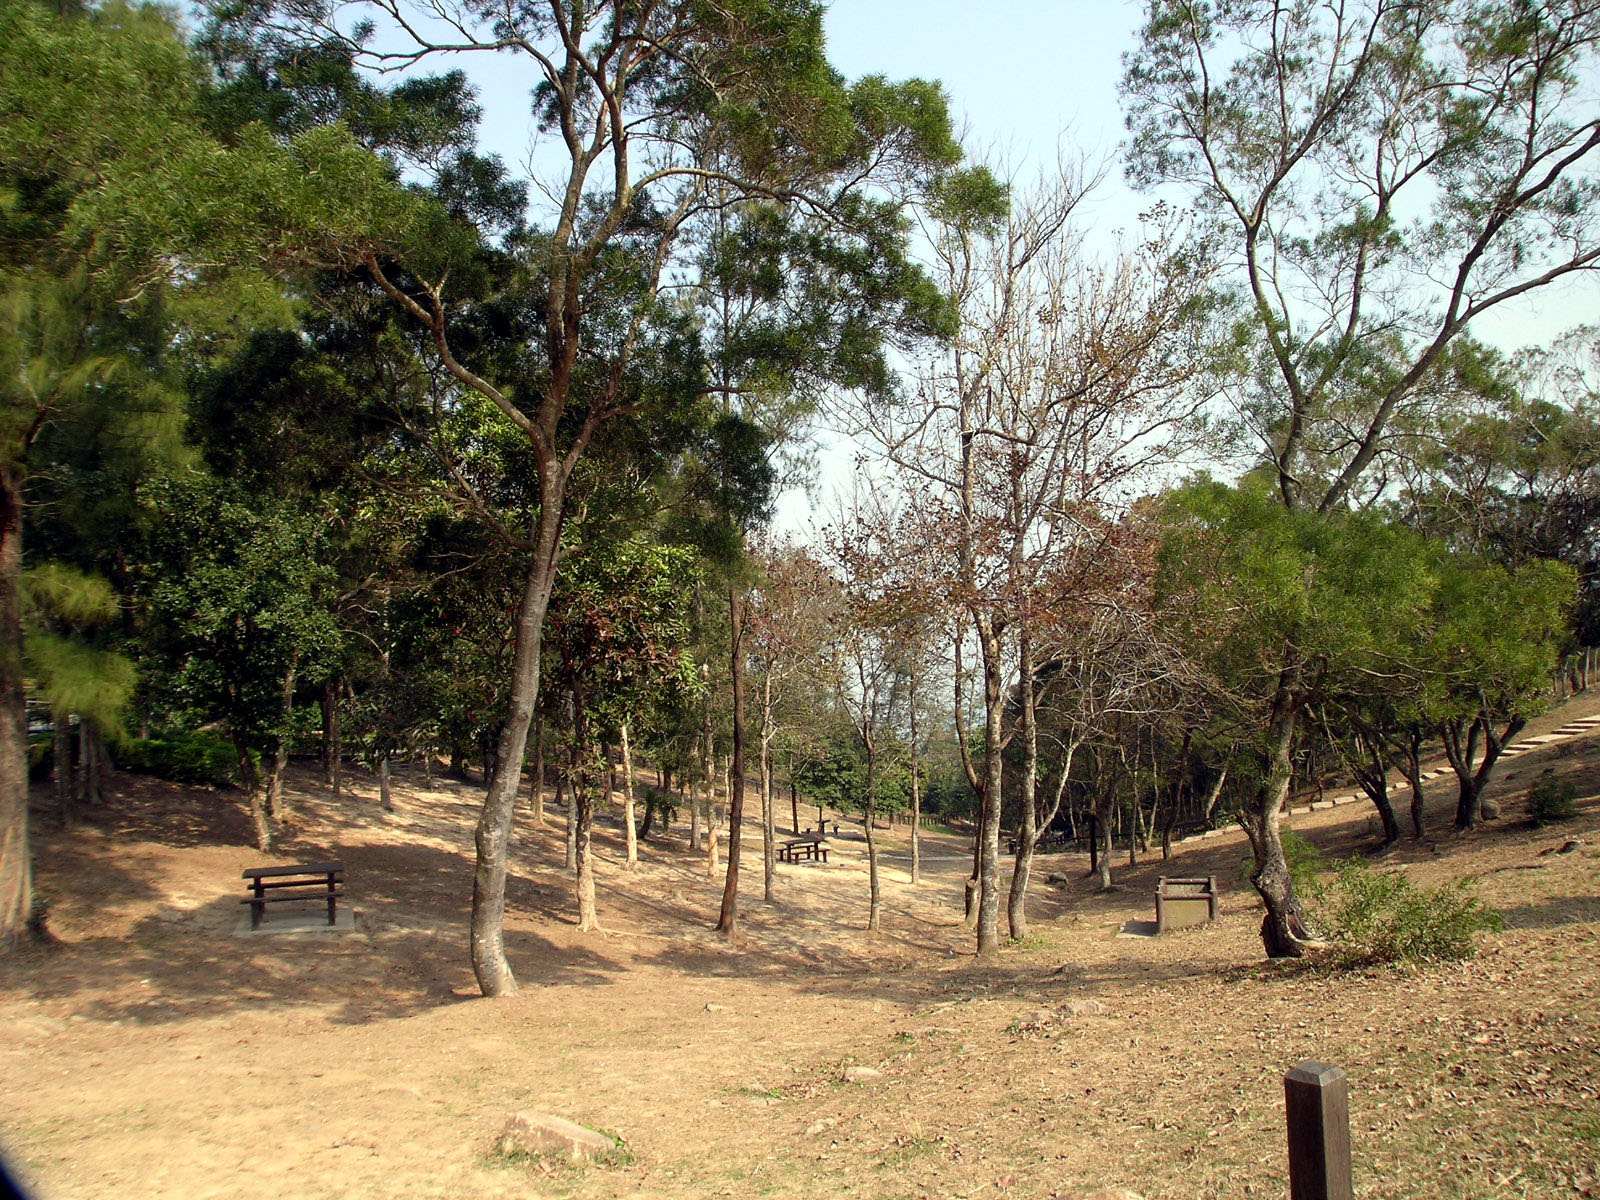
(1382, 917)
(180, 757)
(1551, 799)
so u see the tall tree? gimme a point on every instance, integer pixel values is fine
(1064, 383)
(1384, 172)
(653, 115)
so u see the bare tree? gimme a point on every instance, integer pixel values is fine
(1066, 382)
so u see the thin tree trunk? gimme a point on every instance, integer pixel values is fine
(627, 799)
(916, 788)
(769, 831)
(1411, 768)
(794, 800)
(329, 703)
(989, 639)
(16, 861)
(385, 793)
(572, 821)
(874, 904)
(62, 777)
(728, 920)
(537, 791)
(276, 805)
(1027, 824)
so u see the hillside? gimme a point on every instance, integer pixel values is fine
(156, 1052)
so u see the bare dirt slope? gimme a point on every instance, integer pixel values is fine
(156, 1053)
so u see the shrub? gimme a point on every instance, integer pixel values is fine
(1382, 917)
(1551, 799)
(180, 757)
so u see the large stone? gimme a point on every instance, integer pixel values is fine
(1102, 1194)
(1083, 1008)
(1491, 810)
(861, 1075)
(542, 1133)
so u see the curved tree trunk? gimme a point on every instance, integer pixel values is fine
(1284, 929)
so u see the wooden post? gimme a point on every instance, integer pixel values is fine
(1317, 1099)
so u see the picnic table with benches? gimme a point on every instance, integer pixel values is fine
(803, 849)
(306, 881)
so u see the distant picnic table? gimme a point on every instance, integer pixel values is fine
(803, 849)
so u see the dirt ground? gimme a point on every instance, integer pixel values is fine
(157, 1053)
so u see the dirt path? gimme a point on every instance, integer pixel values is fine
(157, 1053)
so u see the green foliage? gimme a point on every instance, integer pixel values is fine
(1551, 799)
(1382, 917)
(197, 758)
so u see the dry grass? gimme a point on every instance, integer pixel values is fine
(156, 1054)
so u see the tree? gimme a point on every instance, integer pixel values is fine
(657, 114)
(92, 101)
(1385, 173)
(1063, 385)
(238, 604)
(618, 633)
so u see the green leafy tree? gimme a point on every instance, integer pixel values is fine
(656, 115)
(1384, 174)
(238, 602)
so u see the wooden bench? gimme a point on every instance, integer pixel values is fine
(307, 881)
(1184, 902)
(804, 849)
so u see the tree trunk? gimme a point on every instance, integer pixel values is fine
(276, 805)
(329, 723)
(1102, 837)
(492, 837)
(1411, 768)
(794, 800)
(16, 862)
(728, 921)
(1284, 929)
(769, 830)
(916, 790)
(538, 772)
(1215, 794)
(989, 639)
(252, 786)
(1027, 823)
(1461, 747)
(385, 794)
(588, 920)
(92, 762)
(571, 806)
(874, 897)
(627, 799)
(63, 778)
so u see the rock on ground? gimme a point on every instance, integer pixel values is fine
(542, 1133)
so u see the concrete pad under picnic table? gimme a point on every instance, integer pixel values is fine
(314, 919)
